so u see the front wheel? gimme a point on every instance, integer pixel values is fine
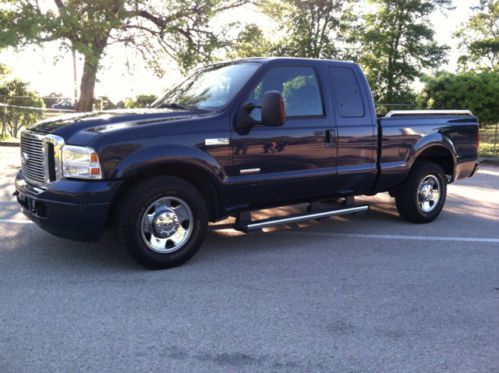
(162, 222)
(421, 198)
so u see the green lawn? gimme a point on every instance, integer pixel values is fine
(8, 138)
(487, 139)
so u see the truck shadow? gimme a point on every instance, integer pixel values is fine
(8, 204)
(28, 245)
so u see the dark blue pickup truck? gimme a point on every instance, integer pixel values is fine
(235, 137)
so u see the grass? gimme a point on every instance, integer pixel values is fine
(8, 138)
(487, 150)
(487, 139)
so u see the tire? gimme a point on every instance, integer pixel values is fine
(416, 198)
(162, 222)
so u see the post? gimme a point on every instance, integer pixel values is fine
(4, 124)
(75, 78)
(495, 140)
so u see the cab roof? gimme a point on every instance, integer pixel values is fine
(276, 60)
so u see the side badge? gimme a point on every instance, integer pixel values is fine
(212, 142)
(247, 171)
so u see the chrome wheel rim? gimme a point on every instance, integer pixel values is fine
(167, 224)
(429, 192)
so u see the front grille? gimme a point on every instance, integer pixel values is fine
(32, 157)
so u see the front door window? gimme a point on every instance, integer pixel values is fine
(299, 88)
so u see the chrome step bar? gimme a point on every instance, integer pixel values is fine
(297, 218)
(401, 113)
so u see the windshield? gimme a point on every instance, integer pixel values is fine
(210, 88)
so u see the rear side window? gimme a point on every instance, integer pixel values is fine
(347, 93)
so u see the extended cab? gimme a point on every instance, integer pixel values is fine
(235, 137)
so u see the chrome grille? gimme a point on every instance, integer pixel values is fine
(32, 157)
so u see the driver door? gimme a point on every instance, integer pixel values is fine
(297, 159)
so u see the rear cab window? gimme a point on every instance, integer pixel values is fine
(346, 92)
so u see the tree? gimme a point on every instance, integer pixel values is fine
(4, 70)
(140, 101)
(251, 42)
(15, 92)
(479, 37)
(478, 92)
(397, 44)
(314, 29)
(175, 27)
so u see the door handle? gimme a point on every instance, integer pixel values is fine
(330, 138)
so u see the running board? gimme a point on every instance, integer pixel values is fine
(291, 219)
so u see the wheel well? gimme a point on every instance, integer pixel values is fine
(195, 175)
(440, 156)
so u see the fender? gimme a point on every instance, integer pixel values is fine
(435, 139)
(161, 155)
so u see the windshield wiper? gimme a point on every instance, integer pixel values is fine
(175, 105)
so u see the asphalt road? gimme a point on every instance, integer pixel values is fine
(359, 294)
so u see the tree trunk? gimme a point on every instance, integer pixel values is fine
(393, 57)
(87, 85)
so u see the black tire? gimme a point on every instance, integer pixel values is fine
(128, 224)
(408, 198)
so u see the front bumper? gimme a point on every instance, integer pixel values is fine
(71, 209)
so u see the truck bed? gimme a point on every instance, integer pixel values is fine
(405, 135)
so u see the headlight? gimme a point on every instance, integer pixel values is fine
(80, 162)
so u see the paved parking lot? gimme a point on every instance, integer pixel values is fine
(360, 294)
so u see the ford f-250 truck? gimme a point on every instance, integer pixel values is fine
(236, 137)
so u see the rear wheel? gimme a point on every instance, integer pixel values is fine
(421, 198)
(162, 222)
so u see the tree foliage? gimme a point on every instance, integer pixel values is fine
(15, 92)
(140, 101)
(175, 27)
(394, 42)
(479, 37)
(478, 92)
(397, 43)
(314, 29)
(251, 42)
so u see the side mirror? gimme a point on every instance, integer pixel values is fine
(273, 109)
(273, 113)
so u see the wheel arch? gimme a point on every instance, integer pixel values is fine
(440, 155)
(205, 183)
(438, 149)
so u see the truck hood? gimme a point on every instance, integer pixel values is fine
(93, 123)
